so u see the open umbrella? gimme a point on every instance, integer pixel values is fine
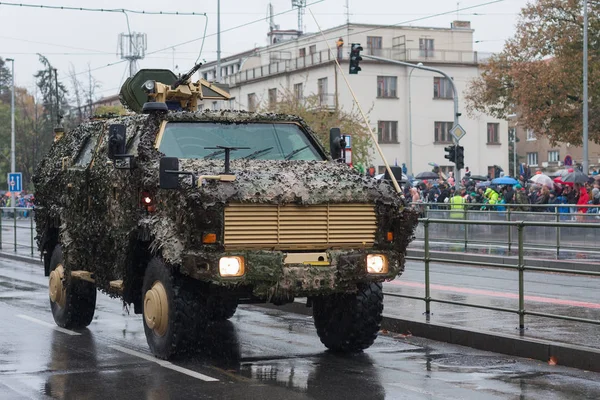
(427, 175)
(505, 180)
(575, 177)
(542, 179)
(559, 181)
(478, 178)
(483, 184)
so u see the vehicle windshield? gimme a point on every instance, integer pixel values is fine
(261, 141)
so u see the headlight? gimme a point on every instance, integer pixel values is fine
(149, 86)
(231, 266)
(377, 264)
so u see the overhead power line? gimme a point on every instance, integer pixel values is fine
(440, 14)
(378, 27)
(195, 40)
(230, 29)
(107, 10)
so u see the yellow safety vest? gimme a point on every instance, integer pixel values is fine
(457, 207)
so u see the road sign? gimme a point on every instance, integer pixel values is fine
(15, 182)
(457, 132)
(568, 160)
(348, 140)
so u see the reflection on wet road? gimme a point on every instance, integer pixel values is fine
(259, 354)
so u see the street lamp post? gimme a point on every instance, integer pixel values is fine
(410, 155)
(12, 127)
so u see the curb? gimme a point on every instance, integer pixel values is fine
(566, 355)
(573, 265)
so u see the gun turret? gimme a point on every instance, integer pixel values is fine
(161, 87)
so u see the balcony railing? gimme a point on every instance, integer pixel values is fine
(322, 57)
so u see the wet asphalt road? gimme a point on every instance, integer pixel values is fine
(261, 354)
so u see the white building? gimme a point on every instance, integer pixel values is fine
(304, 66)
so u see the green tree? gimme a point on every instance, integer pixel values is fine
(54, 102)
(321, 118)
(538, 74)
(5, 81)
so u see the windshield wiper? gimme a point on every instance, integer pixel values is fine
(214, 153)
(293, 153)
(257, 153)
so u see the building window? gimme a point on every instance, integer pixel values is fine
(298, 91)
(553, 156)
(322, 90)
(374, 42)
(205, 76)
(312, 49)
(387, 131)
(442, 132)
(442, 88)
(532, 159)
(272, 97)
(387, 86)
(301, 52)
(215, 106)
(531, 135)
(426, 47)
(493, 137)
(252, 102)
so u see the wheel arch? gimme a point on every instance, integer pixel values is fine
(48, 241)
(133, 279)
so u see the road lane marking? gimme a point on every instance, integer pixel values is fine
(165, 364)
(49, 325)
(481, 292)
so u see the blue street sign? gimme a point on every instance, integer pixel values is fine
(15, 182)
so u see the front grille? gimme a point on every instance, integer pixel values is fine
(289, 227)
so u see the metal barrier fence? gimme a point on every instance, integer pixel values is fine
(520, 267)
(17, 224)
(558, 237)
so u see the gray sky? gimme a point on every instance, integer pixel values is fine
(78, 38)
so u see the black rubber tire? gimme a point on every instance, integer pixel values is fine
(184, 310)
(80, 303)
(220, 309)
(349, 322)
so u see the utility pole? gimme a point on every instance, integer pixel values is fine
(585, 87)
(58, 116)
(218, 75)
(12, 129)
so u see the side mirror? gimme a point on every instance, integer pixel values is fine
(169, 173)
(335, 143)
(116, 140)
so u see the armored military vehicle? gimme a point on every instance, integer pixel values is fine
(187, 214)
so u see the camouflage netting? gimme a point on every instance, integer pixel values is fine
(102, 220)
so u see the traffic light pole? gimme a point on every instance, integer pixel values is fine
(455, 92)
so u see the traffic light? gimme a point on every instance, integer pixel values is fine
(355, 58)
(460, 157)
(451, 150)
